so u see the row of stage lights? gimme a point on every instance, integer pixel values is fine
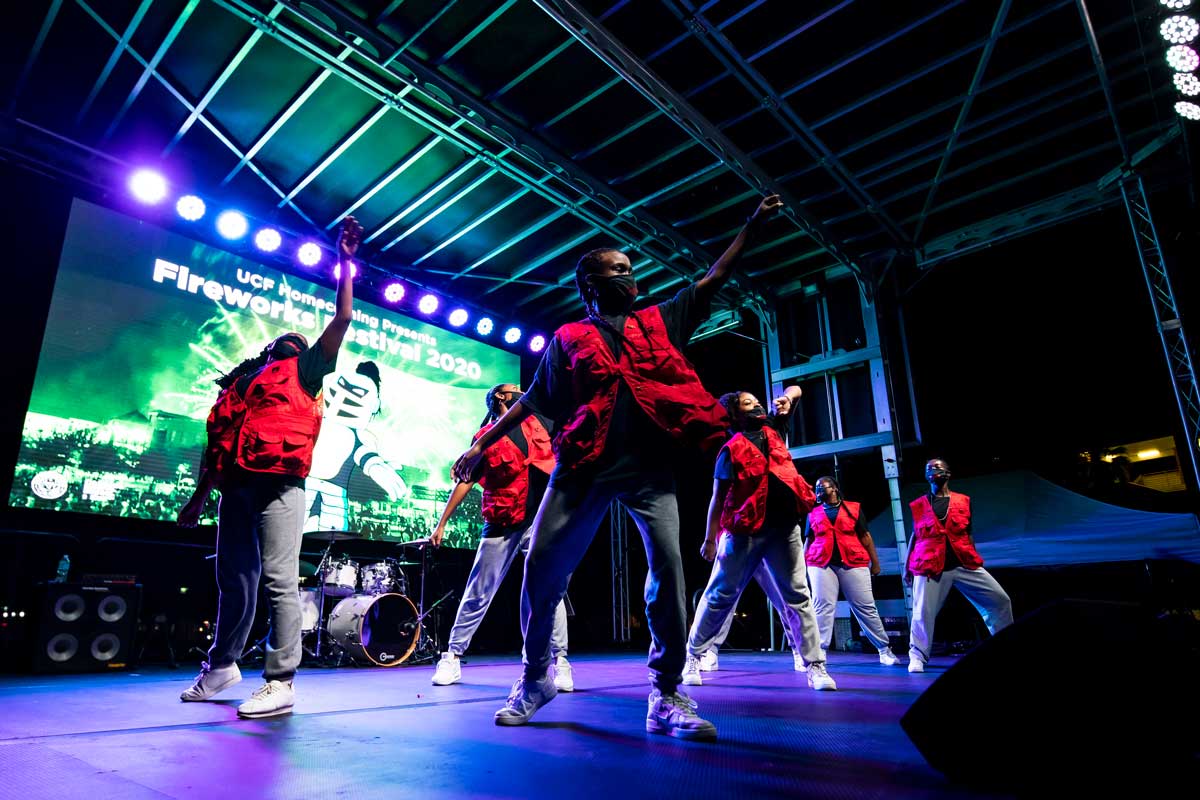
(1179, 31)
(150, 188)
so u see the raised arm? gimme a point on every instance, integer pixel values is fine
(722, 269)
(347, 247)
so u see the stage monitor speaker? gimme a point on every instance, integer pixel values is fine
(86, 628)
(1076, 693)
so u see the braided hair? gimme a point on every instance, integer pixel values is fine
(590, 262)
(247, 367)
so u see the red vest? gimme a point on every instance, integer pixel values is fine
(927, 553)
(281, 424)
(842, 529)
(223, 423)
(745, 506)
(505, 478)
(662, 381)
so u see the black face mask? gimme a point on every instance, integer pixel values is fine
(286, 346)
(937, 477)
(514, 397)
(756, 418)
(614, 294)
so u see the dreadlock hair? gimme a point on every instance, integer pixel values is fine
(490, 401)
(729, 401)
(588, 263)
(247, 367)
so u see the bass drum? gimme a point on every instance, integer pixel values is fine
(381, 629)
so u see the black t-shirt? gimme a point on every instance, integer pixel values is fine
(538, 481)
(941, 507)
(311, 369)
(831, 512)
(635, 445)
(781, 500)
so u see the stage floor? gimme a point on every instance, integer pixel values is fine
(387, 733)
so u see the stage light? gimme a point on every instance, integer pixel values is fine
(1182, 58)
(309, 254)
(190, 207)
(232, 224)
(1187, 83)
(1179, 29)
(1151, 453)
(458, 317)
(268, 240)
(537, 344)
(512, 335)
(484, 326)
(394, 292)
(148, 186)
(337, 270)
(1175, 5)
(428, 304)
(1187, 110)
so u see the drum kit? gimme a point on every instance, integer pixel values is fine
(372, 621)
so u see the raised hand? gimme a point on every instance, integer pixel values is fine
(766, 207)
(349, 238)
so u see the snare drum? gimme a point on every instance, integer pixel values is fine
(339, 577)
(310, 610)
(382, 629)
(384, 577)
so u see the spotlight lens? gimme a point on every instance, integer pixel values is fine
(309, 254)
(1187, 83)
(1175, 5)
(394, 292)
(484, 326)
(232, 225)
(458, 317)
(512, 335)
(1187, 110)
(537, 344)
(268, 240)
(1182, 58)
(337, 270)
(190, 207)
(148, 186)
(1179, 29)
(428, 304)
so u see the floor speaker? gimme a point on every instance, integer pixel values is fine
(1077, 692)
(85, 628)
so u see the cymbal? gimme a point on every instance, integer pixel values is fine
(332, 536)
(415, 543)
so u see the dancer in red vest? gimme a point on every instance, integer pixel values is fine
(514, 473)
(757, 503)
(626, 404)
(840, 553)
(261, 434)
(943, 556)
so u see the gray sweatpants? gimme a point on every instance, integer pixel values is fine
(492, 560)
(929, 594)
(258, 537)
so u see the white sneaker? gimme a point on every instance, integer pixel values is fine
(210, 681)
(563, 680)
(819, 679)
(708, 661)
(448, 671)
(888, 658)
(915, 664)
(675, 715)
(691, 671)
(524, 700)
(272, 699)
(798, 663)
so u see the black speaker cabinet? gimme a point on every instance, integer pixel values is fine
(1077, 693)
(86, 628)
